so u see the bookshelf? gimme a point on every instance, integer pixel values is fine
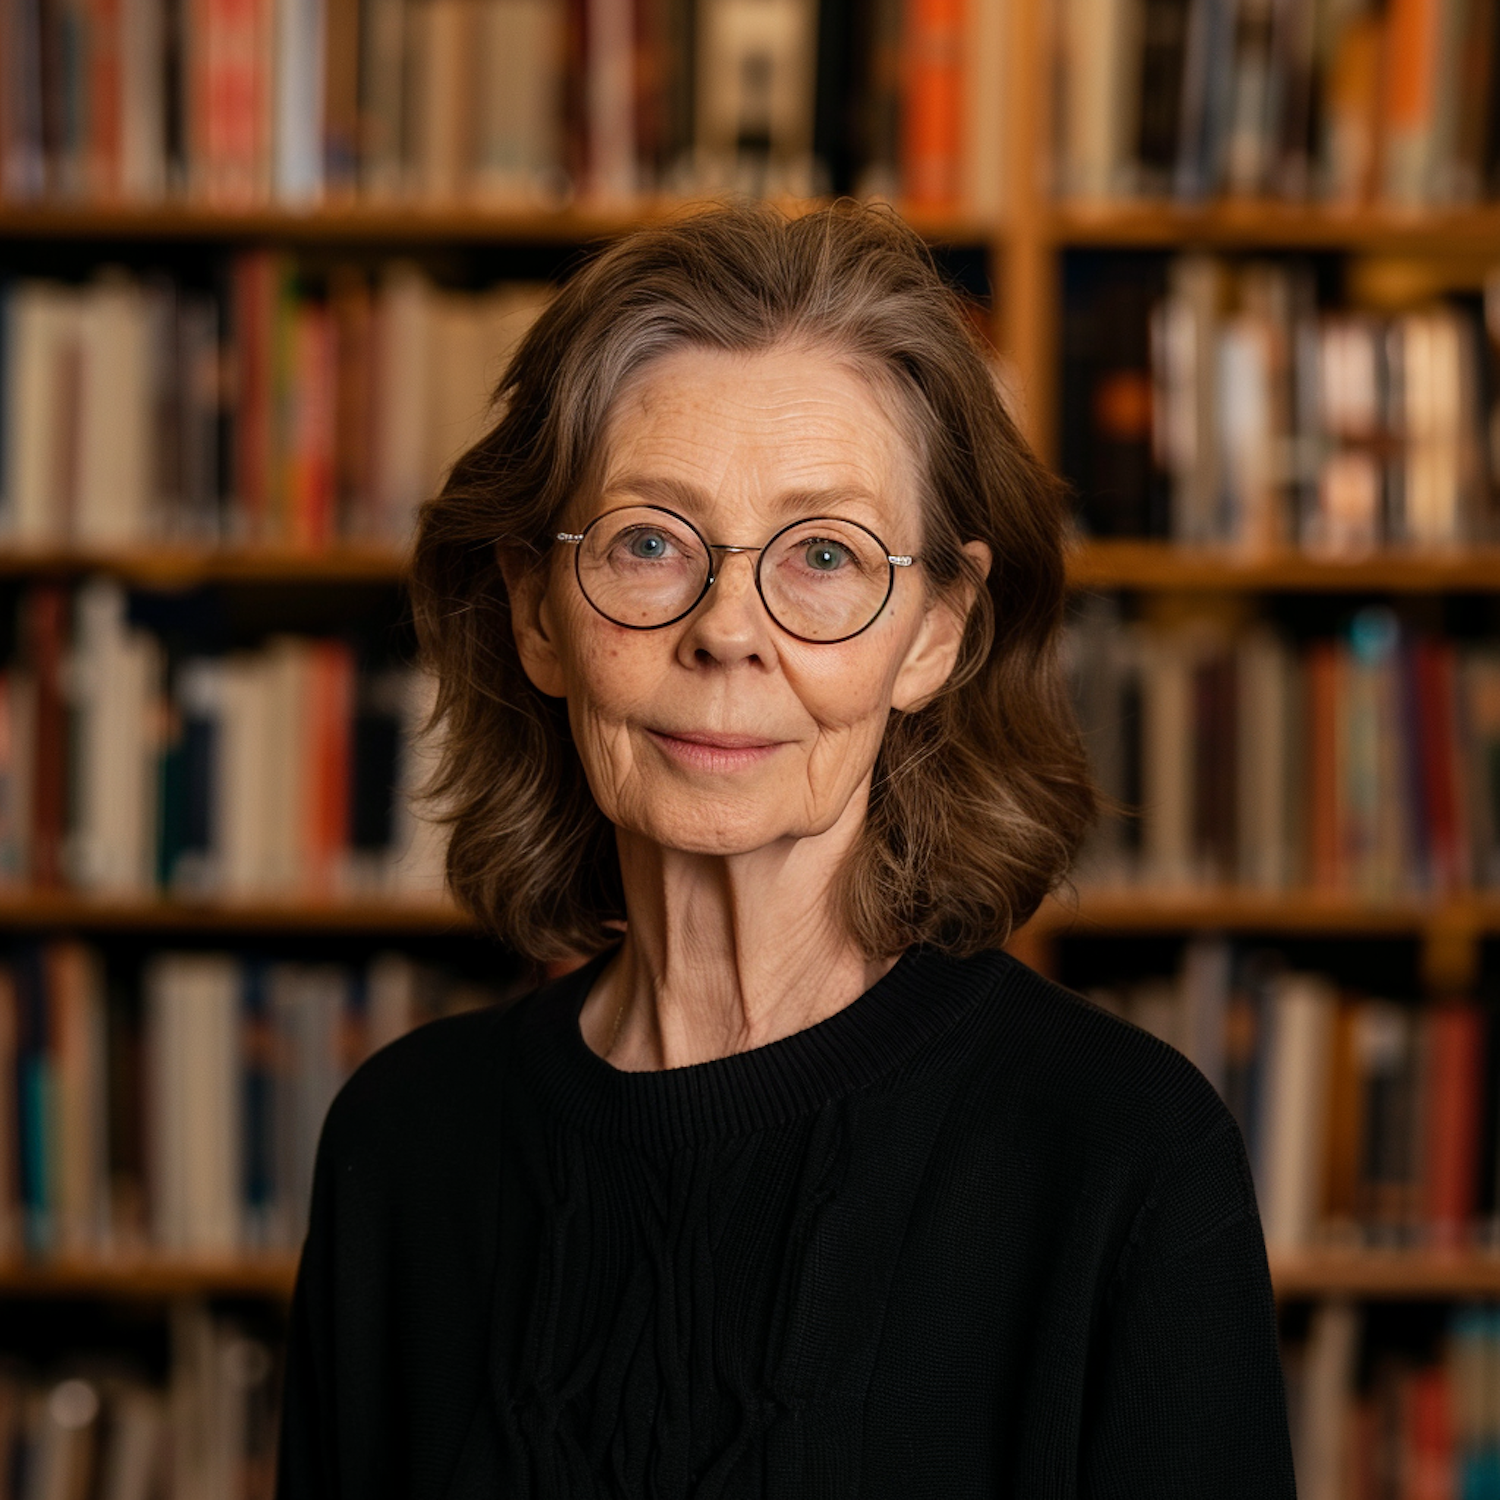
(1024, 234)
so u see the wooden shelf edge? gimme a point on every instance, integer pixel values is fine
(65, 909)
(1294, 1274)
(1385, 1273)
(177, 565)
(150, 1277)
(1107, 564)
(1260, 224)
(469, 220)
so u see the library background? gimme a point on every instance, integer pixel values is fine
(260, 264)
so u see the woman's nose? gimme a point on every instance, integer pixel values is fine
(731, 623)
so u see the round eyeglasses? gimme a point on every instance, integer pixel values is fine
(822, 579)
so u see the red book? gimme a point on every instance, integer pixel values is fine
(1453, 1109)
(1428, 1424)
(330, 712)
(932, 104)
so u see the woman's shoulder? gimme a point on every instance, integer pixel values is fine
(1049, 1060)
(438, 1085)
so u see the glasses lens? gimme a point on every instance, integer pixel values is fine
(825, 579)
(641, 567)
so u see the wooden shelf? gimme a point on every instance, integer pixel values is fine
(177, 566)
(1271, 225)
(1385, 1273)
(1129, 564)
(394, 223)
(1302, 1274)
(64, 909)
(151, 1277)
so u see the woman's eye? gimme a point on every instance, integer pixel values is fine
(825, 557)
(648, 546)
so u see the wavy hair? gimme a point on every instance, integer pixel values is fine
(980, 796)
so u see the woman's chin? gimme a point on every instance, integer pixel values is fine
(712, 826)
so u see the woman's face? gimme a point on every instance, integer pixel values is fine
(721, 733)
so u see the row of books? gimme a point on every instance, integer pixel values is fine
(175, 1106)
(245, 101)
(1387, 1423)
(1282, 98)
(1366, 762)
(270, 407)
(1214, 402)
(100, 1429)
(288, 771)
(1367, 1121)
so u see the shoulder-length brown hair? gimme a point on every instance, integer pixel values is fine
(979, 798)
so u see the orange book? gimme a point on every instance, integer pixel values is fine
(932, 105)
(330, 712)
(1324, 820)
(1410, 70)
(1453, 1110)
(1344, 1131)
(105, 101)
(310, 455)
(254, 283)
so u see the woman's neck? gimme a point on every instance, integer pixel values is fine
(725, 952)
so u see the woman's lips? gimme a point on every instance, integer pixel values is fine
(714, 752)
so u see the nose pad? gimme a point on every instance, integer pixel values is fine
(730, 620)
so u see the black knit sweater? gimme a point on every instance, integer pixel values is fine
(968, 1237)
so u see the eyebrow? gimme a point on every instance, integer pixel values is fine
(679, 494)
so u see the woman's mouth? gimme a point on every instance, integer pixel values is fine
(714, 752)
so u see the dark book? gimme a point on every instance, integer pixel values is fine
(835, 106)
(1107, 394)
(34, 1097)
(125, 1110)
(1164, 26)
(1215, 743)
(1207, 99)
(375, 753)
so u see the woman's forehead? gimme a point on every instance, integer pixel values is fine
(779, 433)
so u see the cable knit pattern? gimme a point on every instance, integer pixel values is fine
(968, 1237)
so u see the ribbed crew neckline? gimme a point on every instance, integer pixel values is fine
(921, 997)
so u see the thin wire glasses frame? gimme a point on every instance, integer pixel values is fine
(893, 561)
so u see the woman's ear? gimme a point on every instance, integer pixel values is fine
(531, 620)
(933, 654)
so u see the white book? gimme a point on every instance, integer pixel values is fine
(307, 1007)
(1100, 38)
(115, 458)
(1327, 1397)
(1247, 432)
(193, 1042)
(755, 83)
(403, 386)
(985, 64)
(288, 668)
(65, 1430)
(115, 687)
(1186, 371)
(419, 844)
(299, 75)
(41, 396)
(245, 809)
(518, 99)
(1264, 683)
(1289, 1178)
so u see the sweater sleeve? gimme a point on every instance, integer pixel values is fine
(1186, 1396)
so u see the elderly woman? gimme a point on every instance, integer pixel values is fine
(743, 617)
